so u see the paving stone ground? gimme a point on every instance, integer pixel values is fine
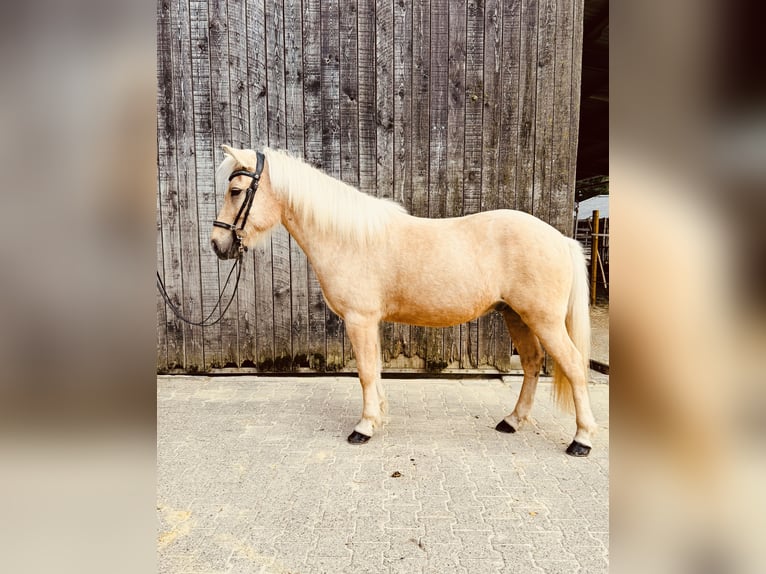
(255, 476)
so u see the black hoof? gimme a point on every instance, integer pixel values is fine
(503, 426)
(578, 449)
(358, 438)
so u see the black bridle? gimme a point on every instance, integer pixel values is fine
(255, 178)
(238, 232)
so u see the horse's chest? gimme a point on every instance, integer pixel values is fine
(349, 293)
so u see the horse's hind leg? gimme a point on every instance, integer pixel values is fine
(365, 340)
(531, 354)
(556, 340)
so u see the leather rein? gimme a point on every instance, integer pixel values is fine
(255, 177)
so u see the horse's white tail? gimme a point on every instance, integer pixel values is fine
(578, 326)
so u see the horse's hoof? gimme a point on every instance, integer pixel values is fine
(503, 426)
(578, 449)
(358, 438)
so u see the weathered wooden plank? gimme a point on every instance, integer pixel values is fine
(510, 153)
(239, 93)
(275, 73)
(221, 134)
(258, 313)
(205, 170)
(401, 350)
(367, 104)
(391, 342)
(439, 110)
(493, 103)
(330, 87)
(456, 104)
(259, 270)
(349, 110)
(162, 318)
(331, 153)
(474, 104)
(384, 63)
(525, 158)
(258, 56)
(313, 81)
(162, 333)
(293, 19)
(258, 316)
(239, 110)
(283, 353)
(562, 194)
(300, 306)
(421, 119)
(546, 66)
(453, 202)
(294, 135)
(168, 182)
(313, 148)
(437, 192)
(402, 82)
(280, 239)
(420, 135)
(249, 337)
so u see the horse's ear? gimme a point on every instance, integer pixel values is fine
(241, 156)
(227, 150)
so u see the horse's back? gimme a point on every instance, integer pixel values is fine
(501, 234)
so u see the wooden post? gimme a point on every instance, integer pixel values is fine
(594, 257)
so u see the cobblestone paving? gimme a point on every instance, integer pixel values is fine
(255, 476)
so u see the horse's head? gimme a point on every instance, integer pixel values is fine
(249, 209)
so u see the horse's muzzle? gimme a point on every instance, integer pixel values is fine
(224, 251)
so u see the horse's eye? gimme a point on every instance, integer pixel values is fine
(235, 192)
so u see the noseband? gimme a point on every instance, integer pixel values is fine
(247, 204)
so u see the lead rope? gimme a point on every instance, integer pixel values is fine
(204, 323)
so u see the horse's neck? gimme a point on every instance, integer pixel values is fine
(317, 246)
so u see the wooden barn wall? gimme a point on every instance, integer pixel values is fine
(448, 107)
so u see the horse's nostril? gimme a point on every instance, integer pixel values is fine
(219, 249)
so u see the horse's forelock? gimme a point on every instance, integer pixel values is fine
(223, 172)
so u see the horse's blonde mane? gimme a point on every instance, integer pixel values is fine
(328, 204)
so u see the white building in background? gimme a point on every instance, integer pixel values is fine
(585, 208)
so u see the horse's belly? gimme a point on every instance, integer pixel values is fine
(438, 314)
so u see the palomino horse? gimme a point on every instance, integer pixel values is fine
(361, 250)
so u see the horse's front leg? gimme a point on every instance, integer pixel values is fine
(365, 340)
